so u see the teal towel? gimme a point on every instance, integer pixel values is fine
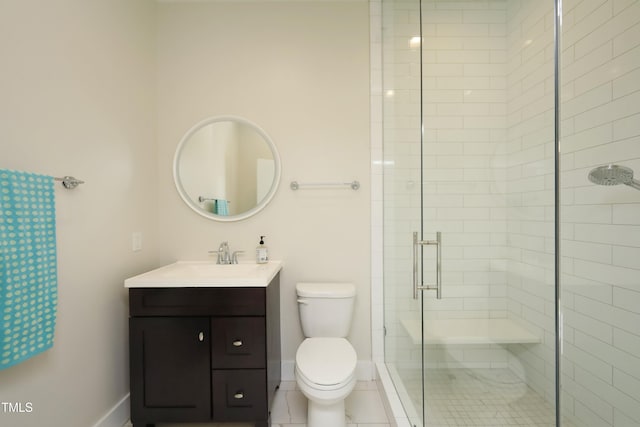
(28, 266)
(221, 207)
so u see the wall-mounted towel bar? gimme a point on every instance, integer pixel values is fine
(69, 182)
(295, 185)
(202, 199)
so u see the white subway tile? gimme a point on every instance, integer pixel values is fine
(584, 22)
(594, 356)
(630, 386)
(621, 5)
(484, 16)
(443, 16)
(594, 59)
(484, 70)
(463, 56)
(616, 67)
(627, 214)
(443, 70)
(585, 101)
(626, 341)
(608, 31)
(587, 138)
(611, 314)
(627, 83)
(462, 30)
(629, 300)
(627, 127)
(627, 22)
(617, 112)
(590, 214)
(608, 234)
(573, 286)
(618, 151)
(586, 322)
(609, 394)
(484, 122)
(588, 251)
(585, 412)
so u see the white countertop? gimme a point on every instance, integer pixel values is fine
(187, 274)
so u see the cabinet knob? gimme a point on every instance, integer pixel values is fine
(201, 336)
(237, 343)
(238, 395)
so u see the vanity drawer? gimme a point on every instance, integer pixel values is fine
(197, 301)
(238, 342)
(239, 395)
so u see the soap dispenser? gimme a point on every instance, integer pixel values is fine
(262, 255)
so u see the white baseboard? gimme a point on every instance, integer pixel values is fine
(117, 416)
(365, 370)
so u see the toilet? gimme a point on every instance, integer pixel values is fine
(326, 361)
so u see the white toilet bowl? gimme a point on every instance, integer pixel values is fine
(325, 373)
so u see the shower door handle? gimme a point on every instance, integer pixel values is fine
(416, 245)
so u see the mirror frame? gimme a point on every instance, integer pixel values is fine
(193, 204)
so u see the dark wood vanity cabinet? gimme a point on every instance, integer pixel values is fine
(204, 354)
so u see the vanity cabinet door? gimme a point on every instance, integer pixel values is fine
(170, 369)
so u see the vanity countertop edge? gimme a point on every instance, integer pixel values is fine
(190, 274)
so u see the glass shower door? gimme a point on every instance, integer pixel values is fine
(469, 153)
(402, 200)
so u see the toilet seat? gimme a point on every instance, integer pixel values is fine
(326, 362)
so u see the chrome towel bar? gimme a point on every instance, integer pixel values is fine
(295, 185)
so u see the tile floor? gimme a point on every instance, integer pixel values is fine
(479, 397)
(364, 408)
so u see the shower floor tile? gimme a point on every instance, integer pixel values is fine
(478, 397)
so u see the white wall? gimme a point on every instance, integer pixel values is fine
(78, 99)
(300, 71)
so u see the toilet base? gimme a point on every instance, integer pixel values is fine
(326, 415)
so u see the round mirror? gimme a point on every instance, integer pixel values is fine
(226, 168)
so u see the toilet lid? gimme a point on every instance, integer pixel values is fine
(326, 361)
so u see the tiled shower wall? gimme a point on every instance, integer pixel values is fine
(600, 225)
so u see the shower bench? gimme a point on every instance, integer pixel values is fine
(468, 331)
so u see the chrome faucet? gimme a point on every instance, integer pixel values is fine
(224, 254)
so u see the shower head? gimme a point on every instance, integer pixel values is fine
(613, 175)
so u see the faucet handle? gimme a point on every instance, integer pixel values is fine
(234, 258)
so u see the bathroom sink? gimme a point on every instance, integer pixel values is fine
(184, 274)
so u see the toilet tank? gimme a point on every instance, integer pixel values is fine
(326, 309)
